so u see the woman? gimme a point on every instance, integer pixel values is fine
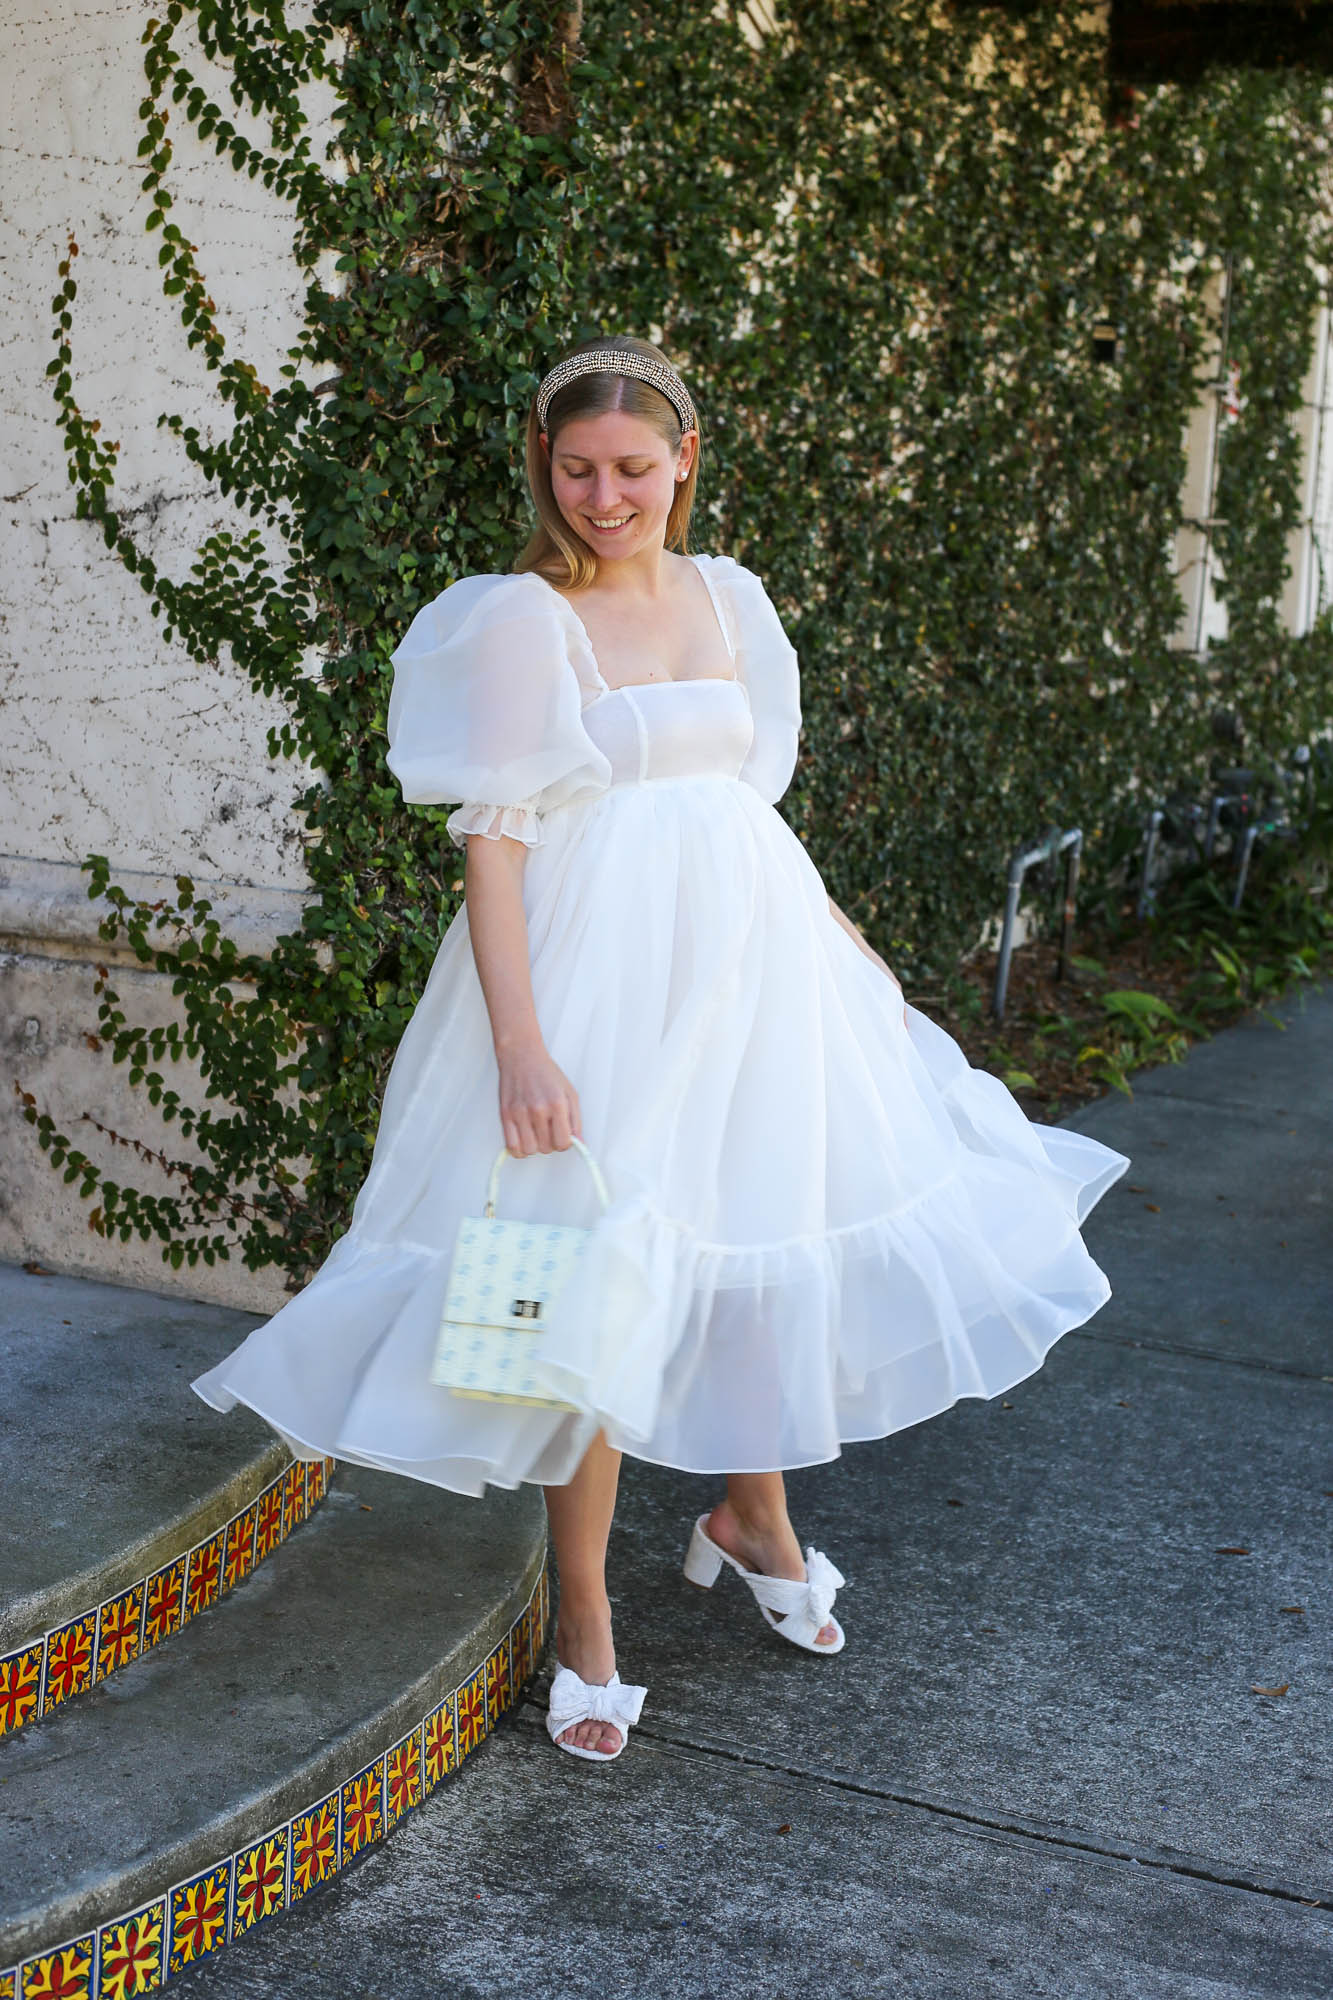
(823, 1225)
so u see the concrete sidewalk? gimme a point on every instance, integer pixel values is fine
(1041, 1766)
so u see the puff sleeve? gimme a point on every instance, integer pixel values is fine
(485, 708)
(766, 662)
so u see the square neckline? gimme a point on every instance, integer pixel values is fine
(732, 679)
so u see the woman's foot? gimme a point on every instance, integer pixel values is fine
(767, 1545)
(583, 1641)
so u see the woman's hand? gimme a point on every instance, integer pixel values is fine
(539, 1106)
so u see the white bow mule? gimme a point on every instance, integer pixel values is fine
(799, 1611)
(574, 1701)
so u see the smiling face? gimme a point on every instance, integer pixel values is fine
(614, 477)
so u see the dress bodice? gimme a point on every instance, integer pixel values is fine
(498, 700)
(671, 729)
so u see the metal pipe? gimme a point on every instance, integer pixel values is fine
(1075, 846)
(1054, 843)
(1151, 831)
(1248, 838)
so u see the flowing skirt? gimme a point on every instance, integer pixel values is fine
(824, 1225)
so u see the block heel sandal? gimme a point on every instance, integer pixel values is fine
(798, 1611)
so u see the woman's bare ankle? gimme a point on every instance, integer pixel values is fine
(583, 1639)
(762, 1539)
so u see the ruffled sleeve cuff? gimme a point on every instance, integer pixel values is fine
(519, 822)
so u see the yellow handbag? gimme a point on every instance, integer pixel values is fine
(504, 1277)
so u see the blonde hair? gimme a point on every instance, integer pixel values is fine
(554, 549)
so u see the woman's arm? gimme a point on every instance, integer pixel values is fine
(539, 1107)
(854, 933)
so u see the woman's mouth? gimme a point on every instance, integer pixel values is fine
(608, 524)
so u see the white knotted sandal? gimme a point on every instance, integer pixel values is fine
(799, 1611)
(574, 1701)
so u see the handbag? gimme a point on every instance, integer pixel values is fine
(504, 1278)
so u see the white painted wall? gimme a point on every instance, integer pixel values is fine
(110, 741)
(1310, 585)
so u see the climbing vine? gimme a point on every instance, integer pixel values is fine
(878, 241)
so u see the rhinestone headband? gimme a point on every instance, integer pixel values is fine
(618, 361)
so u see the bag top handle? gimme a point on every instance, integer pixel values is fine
(493, 1186)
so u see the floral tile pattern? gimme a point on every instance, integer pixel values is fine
(261, 1881)
(316, 1481)
(69, 1660)
(130, 1954)
(402, 1778)
(164, 1608)
(268, 1521)
(119, 1631)
(471, 1712)
(200, 1910)
(144, 1951)
(293, 1496)
(239, 1551)
(20, 1687)
(37, 1677)
(63, 1974)
(203, 1578)
(497, 1684)
(363, 1811)
(439, 1753)
(315, 1846)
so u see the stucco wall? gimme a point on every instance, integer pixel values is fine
(113, 742)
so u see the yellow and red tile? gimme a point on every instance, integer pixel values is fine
(130, 1955)
(164, 1607)
(70, 1655)
(363, 1811)
(203, 1577)
(402, 1779)
(199, 1916)
(293, 1496)
(268, 1521)
(239, 1553)
(498, 1695)
(439, 1753)
(119, 1631)
(63, 1974)
(261, 1881)
(20, 1687)
(314, 1846)
(316, 1482)
(471, 1700)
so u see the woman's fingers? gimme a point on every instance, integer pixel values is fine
(539, 1113)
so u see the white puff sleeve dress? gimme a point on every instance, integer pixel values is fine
(824, 1225)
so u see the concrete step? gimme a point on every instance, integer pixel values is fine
(213, 1782)
(130, 1505)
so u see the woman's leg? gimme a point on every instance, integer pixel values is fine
(580, 1516)
(752, 1525)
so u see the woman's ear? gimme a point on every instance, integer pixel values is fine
(689, 445)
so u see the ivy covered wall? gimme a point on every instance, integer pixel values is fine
(877, 241)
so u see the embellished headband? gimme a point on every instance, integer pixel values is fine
(618, 361)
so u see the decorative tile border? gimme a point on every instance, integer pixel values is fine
(74, 1655)
(140, 1952)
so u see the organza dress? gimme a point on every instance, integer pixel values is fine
(824, 1224)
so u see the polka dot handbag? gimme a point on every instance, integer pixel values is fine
(503, 1280)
